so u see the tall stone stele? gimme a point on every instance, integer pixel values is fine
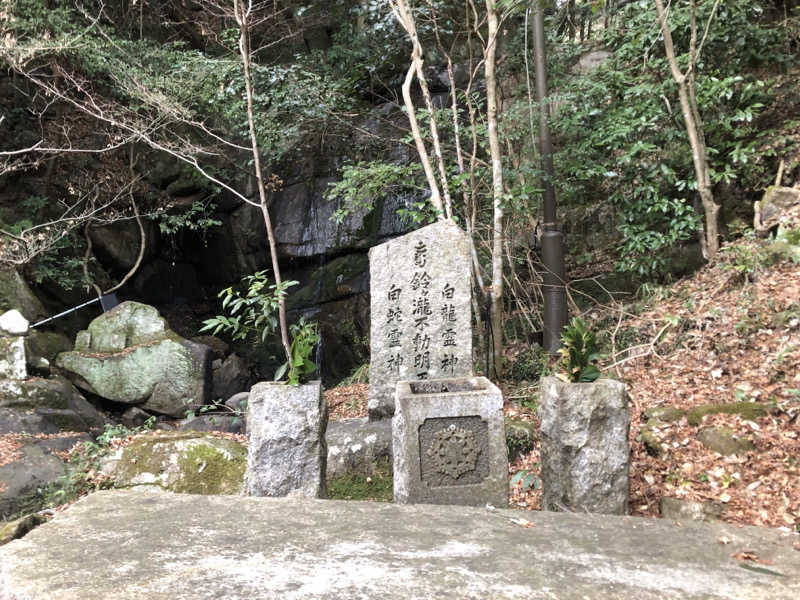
(585, 453)
(420, 311)
(286, 449)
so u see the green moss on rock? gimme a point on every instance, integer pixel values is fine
(521, 437)
(378, 487)
(747, 410)
(184, 462)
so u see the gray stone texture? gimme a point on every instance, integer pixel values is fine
(230, 376)
(35, 468)
(12, 358)
(146, 544)
(421, 319)
(678, 509)
(448, 443)
(127, 324)
(286, 440)
(37, 405)
(128, 355)
(584, 446)
(358, 446)
(184, 462)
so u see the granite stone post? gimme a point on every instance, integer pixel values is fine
(286, 452)
(585, 453)
(421, 313)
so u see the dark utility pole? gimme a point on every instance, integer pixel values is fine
(554, 291)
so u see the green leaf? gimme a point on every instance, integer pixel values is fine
(281, 371)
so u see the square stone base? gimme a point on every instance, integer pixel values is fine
(448, 443)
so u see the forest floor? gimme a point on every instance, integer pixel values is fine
(726, 335)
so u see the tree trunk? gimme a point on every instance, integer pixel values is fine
(694, 129)
(242, 14)
(496, 300)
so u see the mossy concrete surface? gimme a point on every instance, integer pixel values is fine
(185, 462)
(146, 544)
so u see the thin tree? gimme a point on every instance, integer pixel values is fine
(709, 237)
(243, 11)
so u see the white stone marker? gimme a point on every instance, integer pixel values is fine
(13, 326)
(420, 311)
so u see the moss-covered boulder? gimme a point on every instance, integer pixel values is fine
(723, 440)
(521, 437)
(127, 324)
(184, 462)
(746, 410)
(14, 530)
(128, 355)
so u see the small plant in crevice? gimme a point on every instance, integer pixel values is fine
(578, 353)
(83, 474)
(305, 337)
(526, 479)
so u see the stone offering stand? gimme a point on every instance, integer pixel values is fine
(448, 443)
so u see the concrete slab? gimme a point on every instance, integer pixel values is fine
(145, 544)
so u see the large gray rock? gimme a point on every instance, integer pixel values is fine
(214, 422)
(127, 324)
(286, 440)
(448, 443)
(184, 462)
(15, 293)
(584, 446)
(145, 544)
(128, 355)
(773, 206)
(117, 245)
(421, 313)
(357, 446)
(37, 405)
(229, 377)
(35, 468)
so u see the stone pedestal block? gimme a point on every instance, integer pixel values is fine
(585, 452)
(286, 440)
(448, 443)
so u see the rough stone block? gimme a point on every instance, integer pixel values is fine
(420, 307)
(584, 446)
(286, 440)
(448, 443)
(12, 358)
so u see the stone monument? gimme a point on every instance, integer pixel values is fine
(421, 314)
(448, 443)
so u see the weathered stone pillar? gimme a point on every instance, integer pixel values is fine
(585, 452)
(286, 440)
(13, 328)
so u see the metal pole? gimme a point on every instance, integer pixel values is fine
(553, 290)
